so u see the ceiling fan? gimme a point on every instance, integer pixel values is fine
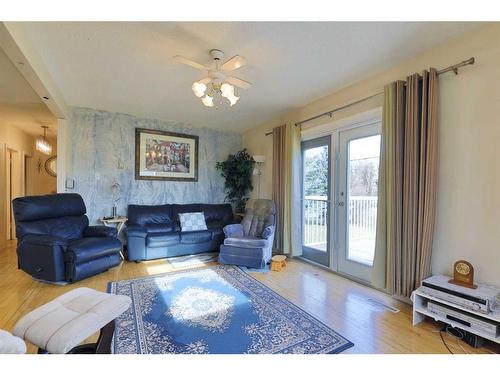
(217, 85)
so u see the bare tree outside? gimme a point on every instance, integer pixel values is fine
(363, 177)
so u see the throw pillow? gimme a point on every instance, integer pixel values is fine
(191, 221)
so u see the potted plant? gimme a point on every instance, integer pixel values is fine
(237, 170)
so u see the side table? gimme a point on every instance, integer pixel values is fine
(118, 222)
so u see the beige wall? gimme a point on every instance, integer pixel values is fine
(45, 183)
(13, 138)
(468, 214)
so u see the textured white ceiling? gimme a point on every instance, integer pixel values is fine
(128, 67)
(19, 104)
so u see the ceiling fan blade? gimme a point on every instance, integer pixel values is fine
(234, 63)
(238, 82)
(191, 63)
(205, 80)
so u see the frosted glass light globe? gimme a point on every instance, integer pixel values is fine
(199, 89)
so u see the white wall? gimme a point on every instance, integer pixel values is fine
(468, 208)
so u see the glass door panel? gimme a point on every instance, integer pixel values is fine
(359, 150)
(316, 200)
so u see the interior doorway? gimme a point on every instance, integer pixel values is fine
(14, 182)
(29, 170)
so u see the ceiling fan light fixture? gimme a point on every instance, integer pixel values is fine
(207, 101)
(199, 89)
(227, 90)
(217, 84)
(233, 99)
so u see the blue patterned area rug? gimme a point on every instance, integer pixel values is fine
(218, 309)
(193, 260)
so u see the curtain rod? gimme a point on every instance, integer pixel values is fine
(270, 133)
(453, 68)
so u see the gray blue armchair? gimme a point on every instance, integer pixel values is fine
(250, 243)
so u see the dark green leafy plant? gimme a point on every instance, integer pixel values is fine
(237, 170)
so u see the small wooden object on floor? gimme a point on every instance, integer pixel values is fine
(278, 262)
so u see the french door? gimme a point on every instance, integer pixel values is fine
(358, 164)
(316, 183)
(339, 199)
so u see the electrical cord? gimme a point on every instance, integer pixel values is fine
(456, 334)
(444, 342)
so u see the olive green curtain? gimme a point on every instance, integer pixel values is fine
(407, 190)
(286, 188)
(279, 154)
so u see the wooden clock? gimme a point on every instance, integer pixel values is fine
(463, 274)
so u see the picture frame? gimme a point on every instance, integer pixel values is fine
(167, 156)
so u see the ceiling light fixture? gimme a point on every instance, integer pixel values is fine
(208, 101)
(199, 89)
(216, 87)
(41, 143)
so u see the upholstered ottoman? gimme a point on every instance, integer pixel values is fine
(11, 344)
(58, 326)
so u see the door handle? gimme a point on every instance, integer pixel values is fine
(340, 204)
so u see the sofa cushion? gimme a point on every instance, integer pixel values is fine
(246, 242)
(161, 239)
(159, 228)
(38, 207)
(192, 221)
(88, 248)
(183, 208)
(156, 214)
(67, 227)
(215, 224)
(259, 214)
(196, 237)
(217, 212)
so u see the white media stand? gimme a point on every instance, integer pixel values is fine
(420, 311)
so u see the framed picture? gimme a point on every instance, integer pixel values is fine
(161, 155)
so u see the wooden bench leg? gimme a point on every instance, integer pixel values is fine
(103, 345)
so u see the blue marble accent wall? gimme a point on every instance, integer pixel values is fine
(102, 150)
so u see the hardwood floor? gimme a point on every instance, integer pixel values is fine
(340, 303)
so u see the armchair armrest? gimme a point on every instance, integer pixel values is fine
(100, 231)
(42, 256)
(43, 240)
(268, 232)
(233, 230)
(136, 231)
(136, 242)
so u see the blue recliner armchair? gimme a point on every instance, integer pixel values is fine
(55, 241)
(250, 243)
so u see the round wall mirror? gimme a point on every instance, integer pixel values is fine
(51, 166)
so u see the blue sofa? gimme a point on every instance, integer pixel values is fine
(154, 232)
(55, 241)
